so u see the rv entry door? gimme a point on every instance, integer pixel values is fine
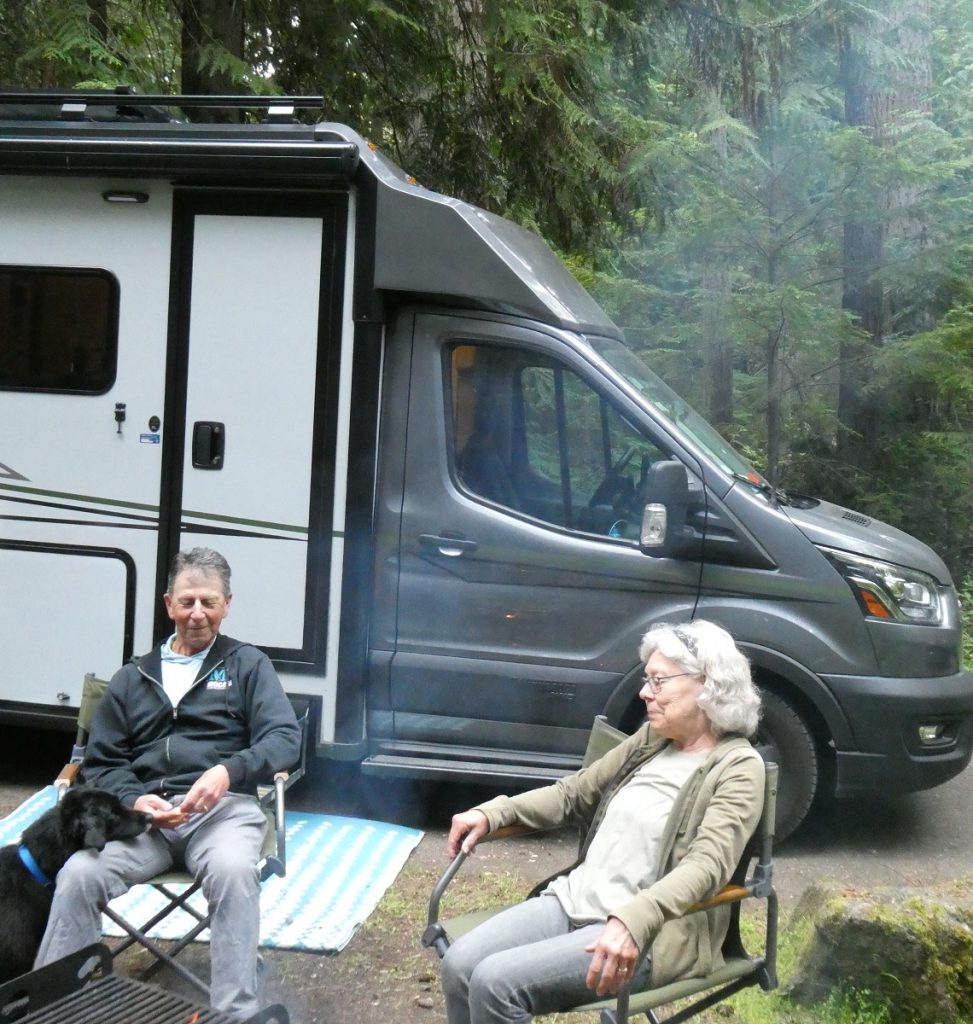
(250, 382)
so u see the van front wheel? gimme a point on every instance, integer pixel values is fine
(784, 738)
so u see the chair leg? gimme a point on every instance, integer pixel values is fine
(176, 948)
(177, 901)
(610, 1017)
(158, 952)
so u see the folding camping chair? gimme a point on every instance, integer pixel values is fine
(179, 886)
(739, 970)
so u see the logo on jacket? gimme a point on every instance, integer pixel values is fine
(217, 680)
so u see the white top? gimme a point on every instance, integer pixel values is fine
(179, 671)
(624, 854)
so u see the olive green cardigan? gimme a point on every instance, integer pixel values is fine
(711, 820)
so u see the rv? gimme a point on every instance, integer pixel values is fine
(452, 498)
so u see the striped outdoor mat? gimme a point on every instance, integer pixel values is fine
(337, 871)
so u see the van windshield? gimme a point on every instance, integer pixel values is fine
(665, 401)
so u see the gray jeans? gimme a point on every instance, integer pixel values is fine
(221, 847)
(527, 960)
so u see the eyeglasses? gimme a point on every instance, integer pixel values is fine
(655, 683)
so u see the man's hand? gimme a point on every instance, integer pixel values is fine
(613, 958)
(164, 815)
(207, 791)
(466, 831)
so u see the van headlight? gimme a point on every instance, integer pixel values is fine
(887, 591)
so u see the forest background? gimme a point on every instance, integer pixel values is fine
(771, 197)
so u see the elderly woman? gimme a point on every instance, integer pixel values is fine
(669, 812)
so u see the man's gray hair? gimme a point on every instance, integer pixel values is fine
(202, 560)
(728, 698)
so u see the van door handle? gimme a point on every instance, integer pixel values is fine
(452, 547)
(209, 442)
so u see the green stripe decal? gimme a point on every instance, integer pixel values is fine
(80, 497)
(237, 521)
(187, 513)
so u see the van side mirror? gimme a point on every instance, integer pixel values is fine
(666, 494)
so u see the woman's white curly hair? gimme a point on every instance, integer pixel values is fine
(728, 698)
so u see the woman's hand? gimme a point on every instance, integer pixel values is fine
(466, 831)
(613, 958)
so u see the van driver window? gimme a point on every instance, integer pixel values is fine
(530, 435)
(58, 329)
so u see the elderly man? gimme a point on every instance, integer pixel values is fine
(185, 733)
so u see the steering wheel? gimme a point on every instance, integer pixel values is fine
(614, 485)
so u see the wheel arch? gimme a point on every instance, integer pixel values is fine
(804, 691)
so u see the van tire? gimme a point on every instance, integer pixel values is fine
(784, 738)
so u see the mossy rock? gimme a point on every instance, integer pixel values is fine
(910, 948)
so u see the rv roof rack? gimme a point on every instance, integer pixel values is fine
(73, 103)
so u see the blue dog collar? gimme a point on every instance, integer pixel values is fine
(27, 858)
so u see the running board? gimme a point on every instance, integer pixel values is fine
(447, 769)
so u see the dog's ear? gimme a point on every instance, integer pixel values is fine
(95, 821)
(83, 820)
(72, 817)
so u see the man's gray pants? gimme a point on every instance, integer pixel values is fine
(221, 847)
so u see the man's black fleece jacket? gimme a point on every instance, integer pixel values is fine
(236, 714)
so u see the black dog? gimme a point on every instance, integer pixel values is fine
(84, 819)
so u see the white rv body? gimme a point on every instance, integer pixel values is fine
(81, 550)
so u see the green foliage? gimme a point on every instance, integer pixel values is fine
(857, 1006)
(62, 44)
(966, 612)
(509, 105)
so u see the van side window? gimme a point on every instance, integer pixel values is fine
(530, 435)
(58, 329)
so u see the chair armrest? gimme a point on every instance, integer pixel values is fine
(66, 777)
(434, 934)
(509, 832)
(728, 894)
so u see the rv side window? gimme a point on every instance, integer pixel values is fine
(58, 329)
(529, 434)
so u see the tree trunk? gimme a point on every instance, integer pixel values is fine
(209, 26)
(877, 101)
(717, 345)
(717, 349)
(98, 18)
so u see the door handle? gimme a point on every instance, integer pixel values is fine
(452, 547)
(209, 442)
